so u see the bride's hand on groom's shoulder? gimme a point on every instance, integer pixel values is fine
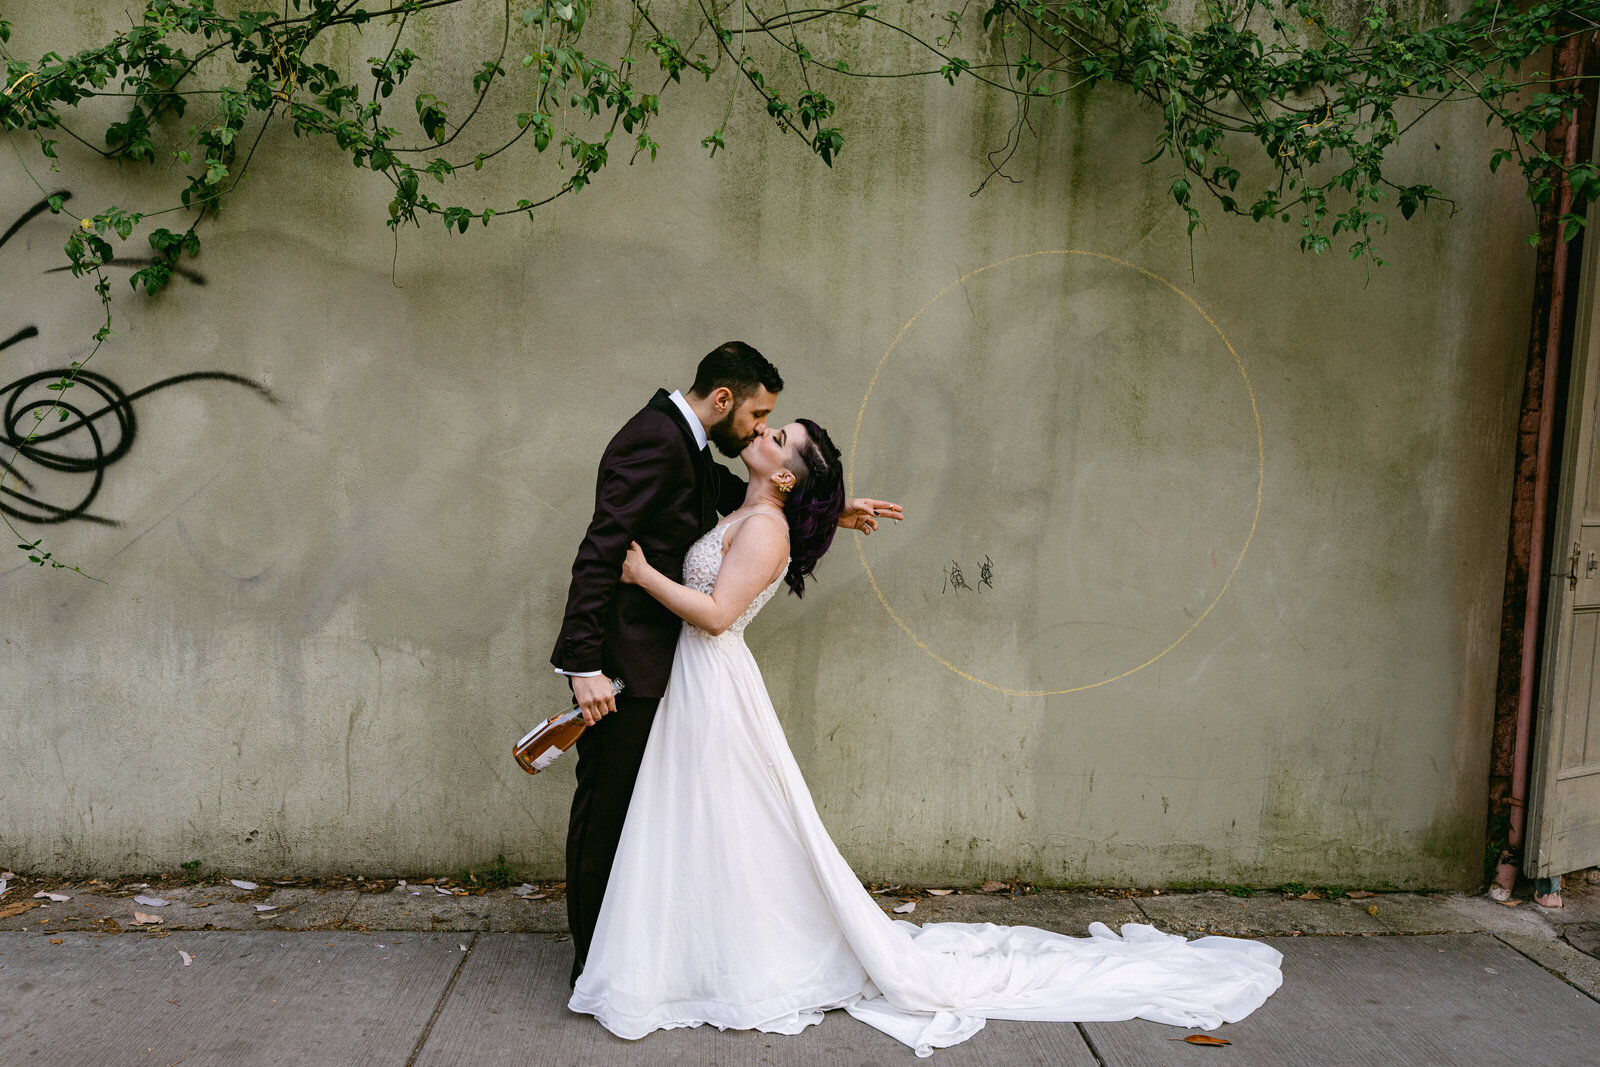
(634, 566)
(864, 513)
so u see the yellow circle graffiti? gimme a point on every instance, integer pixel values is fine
(1255, 518)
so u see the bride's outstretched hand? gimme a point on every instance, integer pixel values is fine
(863, 513)
(634, 566)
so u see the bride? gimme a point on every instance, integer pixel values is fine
(728, 903)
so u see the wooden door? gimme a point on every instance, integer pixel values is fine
(1563, 826)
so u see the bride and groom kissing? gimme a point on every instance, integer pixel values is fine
(690, 807)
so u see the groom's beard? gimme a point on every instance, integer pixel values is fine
(728, 443)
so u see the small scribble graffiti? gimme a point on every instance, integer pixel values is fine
(101, 430)
(955, 579)
(86, 426)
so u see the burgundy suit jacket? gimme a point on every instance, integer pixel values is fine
(654, 488)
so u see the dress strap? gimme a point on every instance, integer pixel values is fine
(726, 526)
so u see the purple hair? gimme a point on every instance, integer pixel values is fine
(813, 509)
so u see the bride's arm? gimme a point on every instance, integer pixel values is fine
(754, 559)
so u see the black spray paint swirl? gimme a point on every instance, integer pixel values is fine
(104, 447)
(106, 422)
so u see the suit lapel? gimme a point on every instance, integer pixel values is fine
(707, 478)
(662, 402)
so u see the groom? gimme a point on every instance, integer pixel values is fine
(659, 486)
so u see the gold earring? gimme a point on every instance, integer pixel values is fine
(784, 481)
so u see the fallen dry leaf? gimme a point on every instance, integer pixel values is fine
(1202, 1039)
(187, 959)
(1372, 909)
(1310, 894)
(46, 895)
(242, 884)
(940, 892)
(18, 908)
(144, 919)
(202, 904)
(56, 940)
(906, 908)
(3, 882)
(149, 901)
(993, 887)
(1360, 894)
(265, 907)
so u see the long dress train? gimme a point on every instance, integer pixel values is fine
(729, 904)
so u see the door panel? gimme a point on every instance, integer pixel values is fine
(1577, 835)
(1580, 681)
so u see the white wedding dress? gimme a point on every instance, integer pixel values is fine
(728, 903)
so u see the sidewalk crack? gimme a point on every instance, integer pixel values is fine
(1089, 1044)
(1537, 962)
(422, 1039)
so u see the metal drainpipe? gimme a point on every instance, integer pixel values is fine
(1568, 64)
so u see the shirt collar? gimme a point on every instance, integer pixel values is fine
(690, 417)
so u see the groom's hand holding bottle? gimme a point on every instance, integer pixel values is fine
(595, 697)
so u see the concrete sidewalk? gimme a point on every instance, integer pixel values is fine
(409, 975)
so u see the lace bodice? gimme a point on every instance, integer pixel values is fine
(700, 567)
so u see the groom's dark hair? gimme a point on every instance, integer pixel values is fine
(737, 367)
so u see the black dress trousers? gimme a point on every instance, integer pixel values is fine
(609, 753)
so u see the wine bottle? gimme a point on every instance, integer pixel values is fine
(544, 744)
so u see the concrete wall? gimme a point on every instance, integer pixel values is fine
(326, 618)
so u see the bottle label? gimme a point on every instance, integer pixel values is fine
(531, 733)
(554, 723)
